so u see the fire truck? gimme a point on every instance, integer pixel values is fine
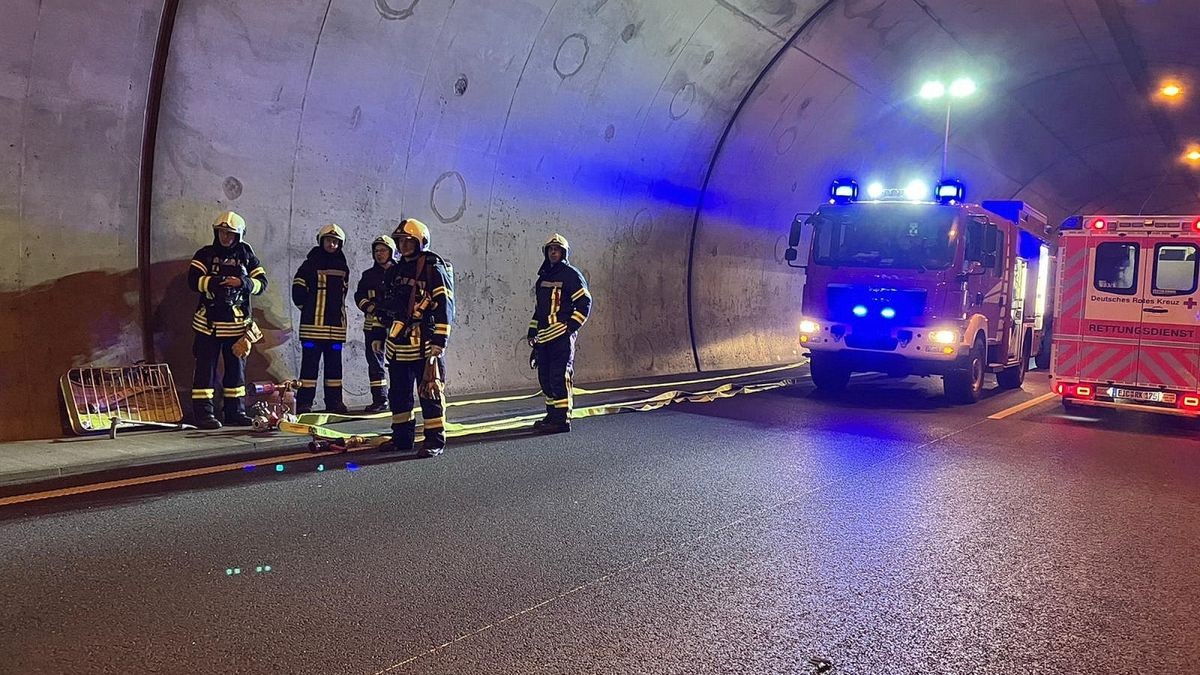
(913, 282)
(1128, 314)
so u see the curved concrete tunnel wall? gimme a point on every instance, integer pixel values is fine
(672, 142)
(598, 120)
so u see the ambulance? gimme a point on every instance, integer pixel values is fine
(913, 281)
(1127, 314)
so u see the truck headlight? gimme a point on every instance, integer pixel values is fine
(809, 327)
(944, 337)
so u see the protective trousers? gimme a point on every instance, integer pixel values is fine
(556, 362)
(313, 351)
(376, 368)
(405, 376)
(208, 349)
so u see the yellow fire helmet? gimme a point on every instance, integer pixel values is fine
(331, 230)
(230, 222)
(386, 241)
(557, 240)
(411, 227)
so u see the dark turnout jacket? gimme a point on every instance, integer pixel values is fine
(319, 291)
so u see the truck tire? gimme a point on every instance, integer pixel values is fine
(828, 372)
(1014, 376)
(966, 385)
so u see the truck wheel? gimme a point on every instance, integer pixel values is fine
(1014, 376)
(966, 385)
(828, 373)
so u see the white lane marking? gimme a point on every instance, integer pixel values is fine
(1023, 406)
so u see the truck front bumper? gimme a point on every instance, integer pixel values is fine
(899, 350)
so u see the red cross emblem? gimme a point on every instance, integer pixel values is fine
(1189, 303)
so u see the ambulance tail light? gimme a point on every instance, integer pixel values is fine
(1075, 390)
(1190, 402)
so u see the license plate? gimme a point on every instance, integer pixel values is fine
(1140, 395)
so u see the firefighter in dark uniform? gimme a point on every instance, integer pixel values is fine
(368, 296)
(319, 292)
(418, 304)
(225, 274)
(563, 306)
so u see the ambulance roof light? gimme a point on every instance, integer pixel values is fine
(1098, 224)
(843, 191)
(1196, 225)
(1072, 223)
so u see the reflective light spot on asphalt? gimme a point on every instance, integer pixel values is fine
(248, 467)
(320, 467)
(279, 468)
(351, 466)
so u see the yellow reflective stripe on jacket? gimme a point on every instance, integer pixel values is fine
(257, 272)
(552, 332)
(579, 294)
(329, 333)
(555, 304)
(200, 266)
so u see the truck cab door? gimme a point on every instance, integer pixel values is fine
(1170, 307)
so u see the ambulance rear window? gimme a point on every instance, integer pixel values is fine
(1174, 269)
(1116, 268)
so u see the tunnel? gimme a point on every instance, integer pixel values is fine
(671, 141)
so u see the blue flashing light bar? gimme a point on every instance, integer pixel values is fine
(887, 313)
(843, 191)
(860, 311)
(950, 192)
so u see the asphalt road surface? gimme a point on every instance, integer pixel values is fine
(883, 532)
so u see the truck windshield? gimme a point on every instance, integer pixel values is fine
(901, 236)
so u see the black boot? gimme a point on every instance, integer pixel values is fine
(431, 452)
(402, 441)
(238, 418)
(338, 408)
(208, 423)
(377, 406)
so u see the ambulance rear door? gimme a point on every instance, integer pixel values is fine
(1111, 314)
(1169, 347)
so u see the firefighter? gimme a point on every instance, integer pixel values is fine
(319, 292)
(367, 296)
(225, 274)
(562, 307)
(418, 304)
